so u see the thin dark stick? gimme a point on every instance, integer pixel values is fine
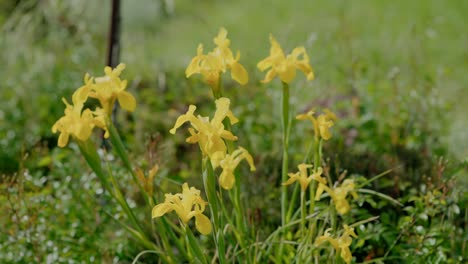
(113, 49)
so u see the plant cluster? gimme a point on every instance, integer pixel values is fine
(316, 230)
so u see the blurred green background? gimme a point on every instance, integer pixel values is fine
(394, 71)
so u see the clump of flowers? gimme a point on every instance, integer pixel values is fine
(303, 179)
(218, 61)
(211, 135)
(187, 205)
(338, 194)
(285, 66)
(229, 164)
(78, 122)
(109, 88)
(341, 244)
(322, 123)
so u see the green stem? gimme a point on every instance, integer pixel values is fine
(194, 245)
(317, 158)
(303, 214)
(292, 202)
(89, 152)
(284, 171)
(209, 181)
(234, 194)
(122, 153)
(284, 167)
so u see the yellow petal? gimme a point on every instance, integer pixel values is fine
(239, 74)
(264, 64)
(346, 254)
(342, 206)
(203, 224)
(304, 183)
(269, 76)
(288, 74)
(84, 131)
(249, 159)
(232, 118)
(183, 118)
(127, 101)
(194, 66)
(81, 94)
(63, 139)
(349, 231)
(327, 237)
(291, 180)
(161, 209)
(319, 191)
(221, 39)
(227, 179)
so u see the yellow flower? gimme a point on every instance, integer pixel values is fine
(341, 244)
(229, 164)
(302, 178)
(100, 117)
(338, 195)
(76, 122)
(209, 134)
(147, 182)
(110, 87)
(219, 60)
(322, 123)
(285, 66)
(187, 205)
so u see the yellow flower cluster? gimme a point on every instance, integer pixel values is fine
(338, 194)
(341, 244)
(303, 179)
(229, 164)
(219, 60)
(76, 122)
(210, 136)
(79, 123)
(322, 123)
(187, 205)
(285, 66)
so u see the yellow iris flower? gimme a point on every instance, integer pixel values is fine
(341, 244)
(229, 164)
(79, 123)
(209, 134)
(338, 195)
(219, 60)
(76, 122)
(322, 123)
(110, 87)
(303, 179)
(187, 205)
(285, 66)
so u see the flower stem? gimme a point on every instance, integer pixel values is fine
(284, 171)
(284, 167)
(209, 181)
(303, 214)
(292, 201)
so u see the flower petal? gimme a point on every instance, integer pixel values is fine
(227, 179)
(127, 101)
(63, 139)
(161, 209)
(203, 224)
(239, 74)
